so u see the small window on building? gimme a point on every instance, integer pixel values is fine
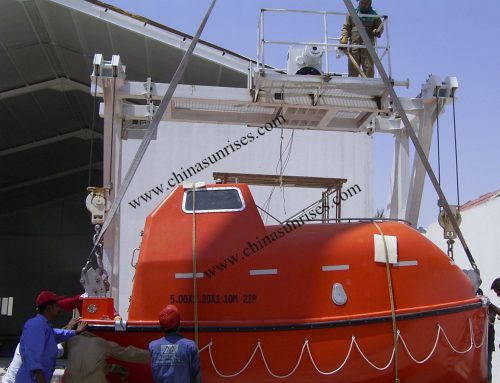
(6, 304)
(213, 200)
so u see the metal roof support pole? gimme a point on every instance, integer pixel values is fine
(153, 126)
(408, 129)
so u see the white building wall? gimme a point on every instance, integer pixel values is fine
(481, 229)
(180, 145)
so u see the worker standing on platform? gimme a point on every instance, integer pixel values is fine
(174, 359)
(38, 345)
(359, 58)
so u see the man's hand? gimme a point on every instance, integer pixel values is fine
(72, 323)
(40, 378)
(493, 309)
(121, 371)
(81, 327)
(343, 40)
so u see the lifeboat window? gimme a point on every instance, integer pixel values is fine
(213, 200)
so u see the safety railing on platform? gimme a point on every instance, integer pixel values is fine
(329, 44)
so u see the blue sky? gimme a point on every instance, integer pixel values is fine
(442, 37)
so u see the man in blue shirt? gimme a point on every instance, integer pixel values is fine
(174, 359)
(38, 345)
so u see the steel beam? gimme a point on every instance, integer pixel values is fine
(45, 178)
(60, 84)
(85, 134)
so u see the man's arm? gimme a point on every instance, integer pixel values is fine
(32, 346)
(346, 30)
(73, 303)
(494, 309)
(195, 365)
(378, 27)
(126, 354)
(63, 335)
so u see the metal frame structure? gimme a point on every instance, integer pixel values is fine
(331, 185)
(135, 106)
(330, 44)
(333, 103)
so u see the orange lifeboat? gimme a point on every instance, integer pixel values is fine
(304, 301)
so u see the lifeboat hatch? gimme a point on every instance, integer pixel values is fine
(339, 296)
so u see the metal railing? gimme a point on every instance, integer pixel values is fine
(349, 220)
(329, 43)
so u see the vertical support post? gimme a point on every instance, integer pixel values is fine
(388, 47)
(112, 175)
(400, 178)
(326, 210)
(325, 26)
(261, 40)
(425, 132)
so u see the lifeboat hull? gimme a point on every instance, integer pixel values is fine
(439, 345)
(345, 302)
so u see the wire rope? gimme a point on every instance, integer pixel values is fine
(438, 139)
(195, 277)
(92, 128)
(393, 305)
(456, 150)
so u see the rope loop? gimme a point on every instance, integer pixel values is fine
(306, 347)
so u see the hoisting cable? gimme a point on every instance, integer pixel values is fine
(92, 127)
(393, 305)
(450, 241)
(153, 126)
(456, 150)
(280, 162)
(110, 181)
(438, 138)
(408, 129)
(195, 276)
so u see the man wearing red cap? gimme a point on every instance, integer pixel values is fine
(174, 359)
(38, 345)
